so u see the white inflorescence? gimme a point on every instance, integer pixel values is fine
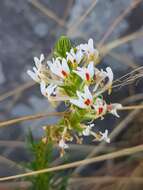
(79, 62)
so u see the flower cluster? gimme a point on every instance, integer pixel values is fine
(77, 81)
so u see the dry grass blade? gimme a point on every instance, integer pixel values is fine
(30, 117)
(12, 164)
(123, 59)
(138, 172)
(116, 43)
(117, 154)
(133, 98)
(17, 90)
(132, 6)
(42, 115)
(47, 12)
(135, 107)
(74, 25)
(67, 10)
(106, 179)
(128, 78)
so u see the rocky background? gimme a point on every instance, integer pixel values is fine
(28, 28)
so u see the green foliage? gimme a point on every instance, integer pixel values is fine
(42, 157)
(62, 46)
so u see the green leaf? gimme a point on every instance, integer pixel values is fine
(62, 46)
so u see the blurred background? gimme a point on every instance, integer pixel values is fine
(31, 27)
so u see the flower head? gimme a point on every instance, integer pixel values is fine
(47, 90)
(86, 73)
(75, 57)
(87, 130)
(39, 70)
(100, 106)
(112, 108)
(59, 67)
(104, 136)
(84, 99)
(101, 84)
(89, 50)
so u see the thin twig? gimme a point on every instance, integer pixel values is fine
(17, 90)
(118, 42)
(135, 107)
(42, 115)
(47, 12)
(105, 179)
(30, 117)
(123, 59)
(72, 27)
(132, 6)
(116, 154)
(133, 98)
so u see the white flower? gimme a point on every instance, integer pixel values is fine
(87, 130)
(59, 67)
(84, 99)
(74, 57)
(86, 73)
(100, 106)
(37, 71)
(47, 90)
(62, 144)
(102, 75)
(112, 108)
(89, 50)
(108, 74)
(104, 136)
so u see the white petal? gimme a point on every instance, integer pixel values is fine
(78, 103)
(104, 136)
(50, 89)
(65, 66)
(90, 69)
(90, 44)
(87, 92)
(114, 109)
(109, 74)
(33, 76)
(37, 62)
(86, 132)
(43, 88)
(42, 58)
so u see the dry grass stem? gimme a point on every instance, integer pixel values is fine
(30, 117)
(116, 43)
(132, 6)
(47, 12)
(72, 27)
(123, 59)
(17, 90)
(106, 179)
(117, 154)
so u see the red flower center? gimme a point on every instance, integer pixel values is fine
(87, 76)
(64, 73)
(100, 110)
(87, 102)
